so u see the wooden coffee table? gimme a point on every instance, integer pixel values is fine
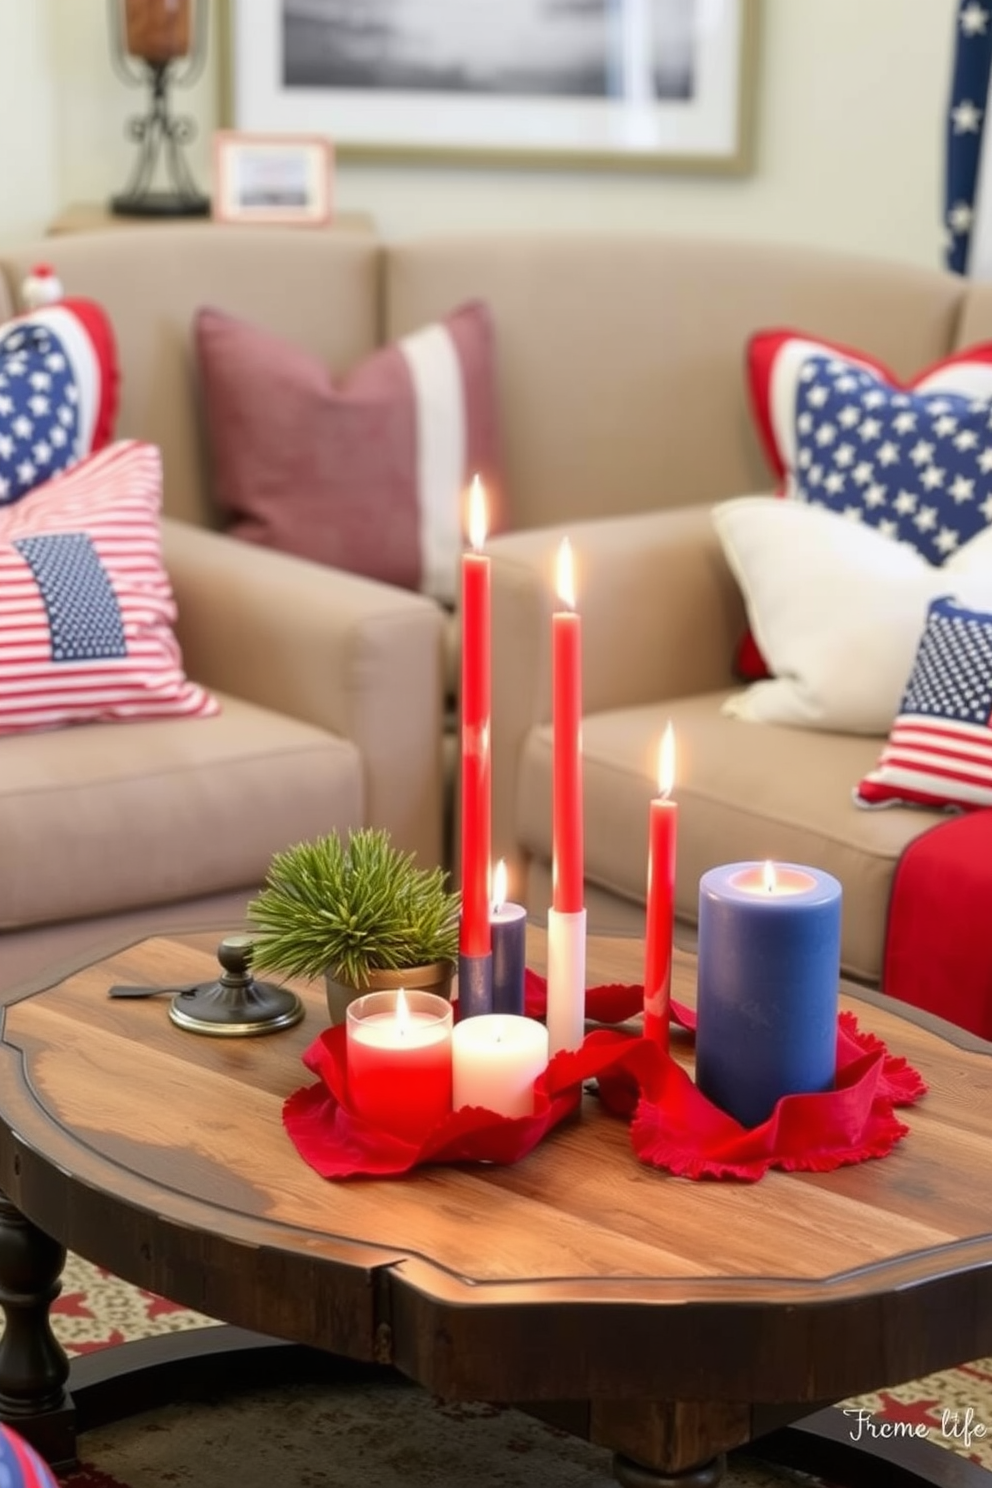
(668, 1320)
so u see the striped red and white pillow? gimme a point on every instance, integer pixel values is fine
(367, 473)
(86, 607)
(939, 749)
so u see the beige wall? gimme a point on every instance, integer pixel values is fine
(850, 132)
(28, 178)
(849, 137)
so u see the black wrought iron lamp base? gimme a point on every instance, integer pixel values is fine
(159, 204)
(160, 135)
(235, 1006)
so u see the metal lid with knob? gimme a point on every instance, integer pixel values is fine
(235, 1005)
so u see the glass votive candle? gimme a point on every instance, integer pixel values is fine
(399, 1060)
(497, 1057)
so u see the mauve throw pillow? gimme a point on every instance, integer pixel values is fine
(367, 472)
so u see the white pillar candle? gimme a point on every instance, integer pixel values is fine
(496, 1058)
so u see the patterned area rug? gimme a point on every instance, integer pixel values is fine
(394, 1434)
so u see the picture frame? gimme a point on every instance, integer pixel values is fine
(267, 178)
(682, 104)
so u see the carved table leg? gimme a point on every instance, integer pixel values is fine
(630, 1474)
(669, 1444)
(33, 1365)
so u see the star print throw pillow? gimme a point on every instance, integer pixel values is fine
(841, 431)
(59, 383)
(86, 606)
(939, 749)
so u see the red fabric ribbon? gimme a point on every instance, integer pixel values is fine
(673, 1125)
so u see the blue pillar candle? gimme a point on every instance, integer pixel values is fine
(508, 928)
(508, 937)
(769, 965)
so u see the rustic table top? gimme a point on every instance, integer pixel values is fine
(576, 1272)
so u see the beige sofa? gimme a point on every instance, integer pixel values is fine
(624, 417)
(330, 685)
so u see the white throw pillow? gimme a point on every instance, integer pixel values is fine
(837, 610)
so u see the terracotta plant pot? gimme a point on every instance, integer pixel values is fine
(436, 978)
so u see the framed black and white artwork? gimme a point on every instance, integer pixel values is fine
(639, 84)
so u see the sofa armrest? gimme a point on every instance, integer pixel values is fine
(361, 659)
(661, 617)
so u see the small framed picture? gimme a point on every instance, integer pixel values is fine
(272, 178)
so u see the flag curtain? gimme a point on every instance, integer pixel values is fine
(968, 199)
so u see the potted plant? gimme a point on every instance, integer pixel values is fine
(359, 913)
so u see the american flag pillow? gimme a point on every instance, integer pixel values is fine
(840, 430)
(86, 607)
(939, 749)
(59, 383)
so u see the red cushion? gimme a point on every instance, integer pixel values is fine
(367, 473)
(59, 384)
(840, 430)
(938, 952)
(86, 607)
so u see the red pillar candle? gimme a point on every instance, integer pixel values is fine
(566, 661)
(660, 918)
(399, 1060)
(476, 690)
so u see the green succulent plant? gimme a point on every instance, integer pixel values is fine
(348, 907)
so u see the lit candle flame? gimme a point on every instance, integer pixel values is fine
(666, 762)
(477, 523)
(768, 878)
(402, 1014)
(566, 576)
(499, 884)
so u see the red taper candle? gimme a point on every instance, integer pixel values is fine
(476, 694)
(566, 661)
(660, 918)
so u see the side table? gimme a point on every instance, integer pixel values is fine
(97, 217)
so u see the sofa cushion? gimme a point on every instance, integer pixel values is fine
(367, 473)
(163, 811)
(939, 749)
(743, 793)
(86, 606)
(58, 392)
(836, 609)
